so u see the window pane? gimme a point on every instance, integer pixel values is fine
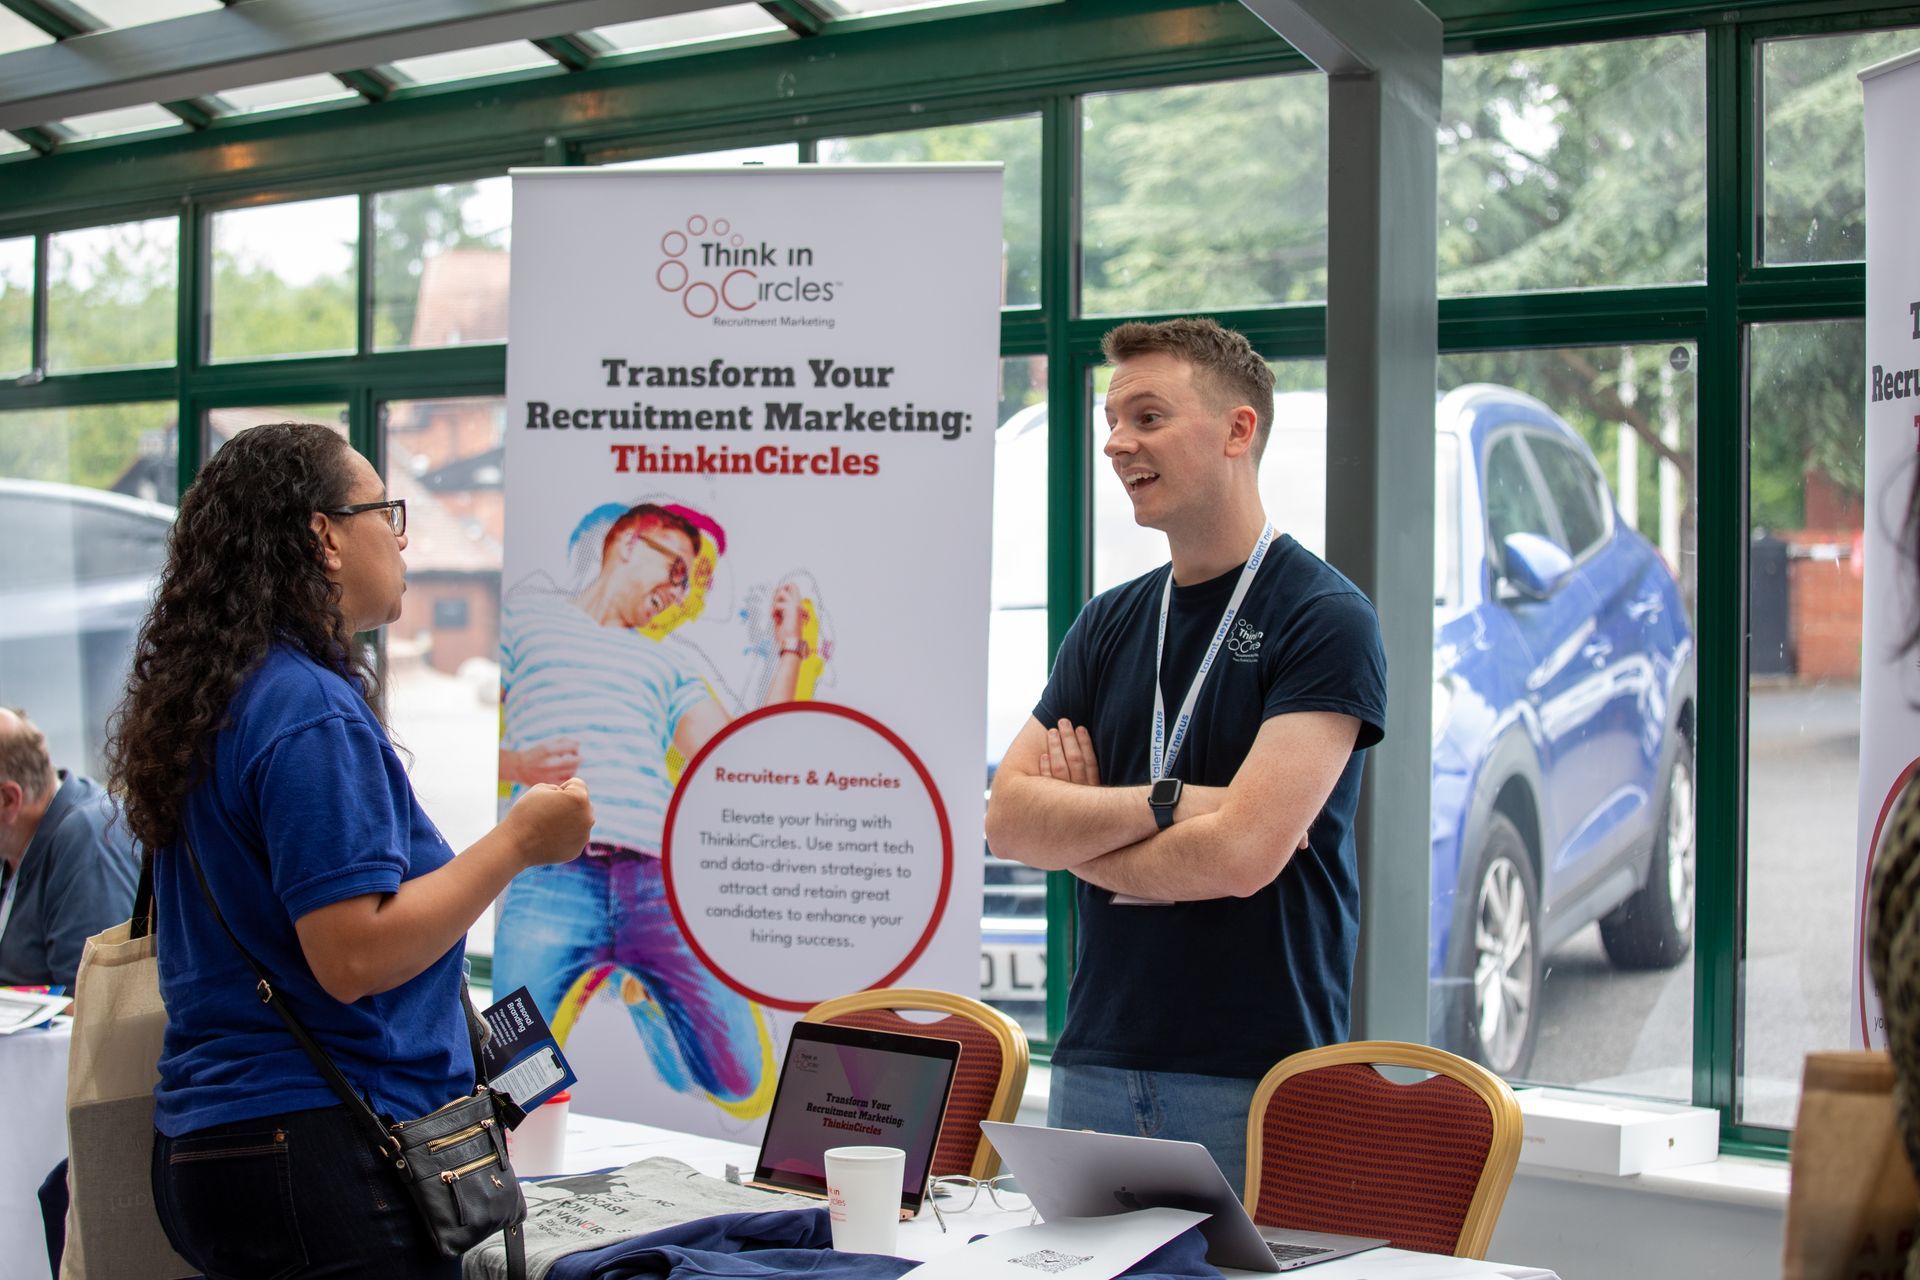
(16, 306)
(1013, 959)
(1573, 167)
(111, 124)
(299, 91)
(1813, 144)
(1014, 142)
(1293, 476)
(111, 293)
(17, 33)
(1205, 196)
(443, 669)
(134, 13)
(284, 279)
(1562, 859)
(890, 6)
(79, 548)
(688, 28)
(465, 64)
(440, 264)
(1807, 477)
(224, 424)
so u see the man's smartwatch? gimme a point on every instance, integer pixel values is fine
(1164, 797)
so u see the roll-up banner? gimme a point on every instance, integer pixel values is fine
(749, 469)
(1889, 681)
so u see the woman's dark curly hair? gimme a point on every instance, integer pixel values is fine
(244, 570)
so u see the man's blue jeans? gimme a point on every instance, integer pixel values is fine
(1209, 1110)
(610, 914)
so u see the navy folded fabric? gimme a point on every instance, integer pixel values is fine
(797, 1242)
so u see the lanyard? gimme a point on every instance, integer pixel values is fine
(1162, 751)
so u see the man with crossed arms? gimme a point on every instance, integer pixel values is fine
(1216, 886)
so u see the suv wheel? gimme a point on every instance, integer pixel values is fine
(1501, 952)
(1654, 928)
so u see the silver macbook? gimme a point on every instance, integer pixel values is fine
(1077, 1174)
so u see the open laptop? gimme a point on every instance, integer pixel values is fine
(1077, 1174)
(845, 1087)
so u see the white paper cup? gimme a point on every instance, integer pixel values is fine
(863, 1197)
(539, 1145)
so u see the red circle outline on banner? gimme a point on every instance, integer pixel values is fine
(1861, 978)
(898, 744)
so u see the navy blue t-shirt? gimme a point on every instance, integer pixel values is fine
(307, 805)
(1229, 986)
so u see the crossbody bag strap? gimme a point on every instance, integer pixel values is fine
(142, 923)
(356, 1105)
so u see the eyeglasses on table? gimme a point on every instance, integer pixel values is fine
(957, 1193)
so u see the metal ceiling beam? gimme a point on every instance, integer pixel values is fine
(1343, 39)
(66, 20)
(267, 40)
(1383, 59)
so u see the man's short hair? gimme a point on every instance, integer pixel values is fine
(649, 515)
(1224, 357)
(23, 756)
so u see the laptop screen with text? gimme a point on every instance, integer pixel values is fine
(846, 1087)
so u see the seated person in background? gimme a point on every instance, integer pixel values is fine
(69, 865)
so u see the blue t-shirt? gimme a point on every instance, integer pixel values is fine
(307, 804)
(798, 1242)
(1229, 986)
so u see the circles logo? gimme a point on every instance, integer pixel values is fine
(703, 297)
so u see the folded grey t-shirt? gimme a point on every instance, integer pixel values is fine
(593, 1210)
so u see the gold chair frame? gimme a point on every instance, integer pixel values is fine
(1503, 1150)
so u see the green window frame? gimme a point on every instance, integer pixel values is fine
(988, 65)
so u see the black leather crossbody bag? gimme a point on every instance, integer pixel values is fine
(452, 1160)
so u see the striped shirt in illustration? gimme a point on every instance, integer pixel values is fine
(617, 693)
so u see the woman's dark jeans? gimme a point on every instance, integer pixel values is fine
(302, 1194)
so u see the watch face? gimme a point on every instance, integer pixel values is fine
(1164, 792)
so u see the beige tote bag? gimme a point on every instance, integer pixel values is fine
(1852, 1208)
(118, 1021)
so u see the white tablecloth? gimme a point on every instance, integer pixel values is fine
(33, 1093)
(594, 1143)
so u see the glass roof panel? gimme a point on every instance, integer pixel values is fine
(137, 13)
(298, 91)
(105, 124)
(689, 28)
(465, 64)
(17, 33)
(862, 8)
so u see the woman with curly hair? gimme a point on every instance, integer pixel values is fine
(251, 727)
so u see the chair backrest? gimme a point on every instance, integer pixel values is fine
(1333, 1145)
(987, 1083)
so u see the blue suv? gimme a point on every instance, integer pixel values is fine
(1563, 708)
(1563, 725)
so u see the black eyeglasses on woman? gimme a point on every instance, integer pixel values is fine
(396, 509)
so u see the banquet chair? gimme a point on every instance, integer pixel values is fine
(1333, 1145)
(987, 1083)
